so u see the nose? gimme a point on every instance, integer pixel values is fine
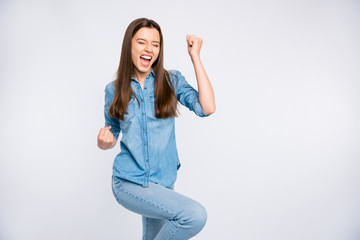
(148, 48)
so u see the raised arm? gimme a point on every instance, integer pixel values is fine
(206, 92)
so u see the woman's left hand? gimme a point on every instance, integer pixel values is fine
(194, 45)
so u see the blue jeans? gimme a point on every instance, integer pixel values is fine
(166, 214)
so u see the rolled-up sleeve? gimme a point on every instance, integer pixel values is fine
(110, 121)
(186, 94)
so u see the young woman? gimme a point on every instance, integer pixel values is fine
(142, 104)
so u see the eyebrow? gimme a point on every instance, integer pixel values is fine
(146, 40)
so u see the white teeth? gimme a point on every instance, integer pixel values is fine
(146, 57)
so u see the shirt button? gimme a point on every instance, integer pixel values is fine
(138, 87)
(142, 100)
(145, 88)
(144, 129)
(143, 113)
(147, 175)
(145, 144)
(147, 160)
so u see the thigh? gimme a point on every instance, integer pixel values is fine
(155, 201)
(151, 227)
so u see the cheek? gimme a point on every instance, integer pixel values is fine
(156, 55)
(134, 55)
(135, 50)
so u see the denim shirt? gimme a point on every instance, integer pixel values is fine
(148, 147)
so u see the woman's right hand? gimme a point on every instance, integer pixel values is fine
(105, 138)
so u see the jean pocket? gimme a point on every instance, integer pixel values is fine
(116, 185)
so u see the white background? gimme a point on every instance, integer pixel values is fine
(278, 160)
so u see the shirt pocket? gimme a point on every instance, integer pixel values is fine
(152, 105)
(152, 98)
(132, 109)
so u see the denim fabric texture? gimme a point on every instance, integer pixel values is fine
(166, 214)
(148, 151)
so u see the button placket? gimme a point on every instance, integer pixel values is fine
(141, 93)
(144, 132)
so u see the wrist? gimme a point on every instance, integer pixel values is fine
(195, 57)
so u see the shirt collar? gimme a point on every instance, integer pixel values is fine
(152, 72)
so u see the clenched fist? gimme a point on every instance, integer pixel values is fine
(194, 45)
(105, 138)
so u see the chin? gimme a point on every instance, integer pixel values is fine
(145, 69)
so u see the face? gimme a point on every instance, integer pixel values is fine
(145, 48)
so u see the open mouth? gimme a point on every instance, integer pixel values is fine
(145, 60)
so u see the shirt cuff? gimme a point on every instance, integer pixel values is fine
(196, 106)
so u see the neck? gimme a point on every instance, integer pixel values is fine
(140, 77)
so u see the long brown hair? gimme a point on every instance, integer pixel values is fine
(165, 98)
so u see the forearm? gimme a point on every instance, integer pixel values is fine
(206, 92)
